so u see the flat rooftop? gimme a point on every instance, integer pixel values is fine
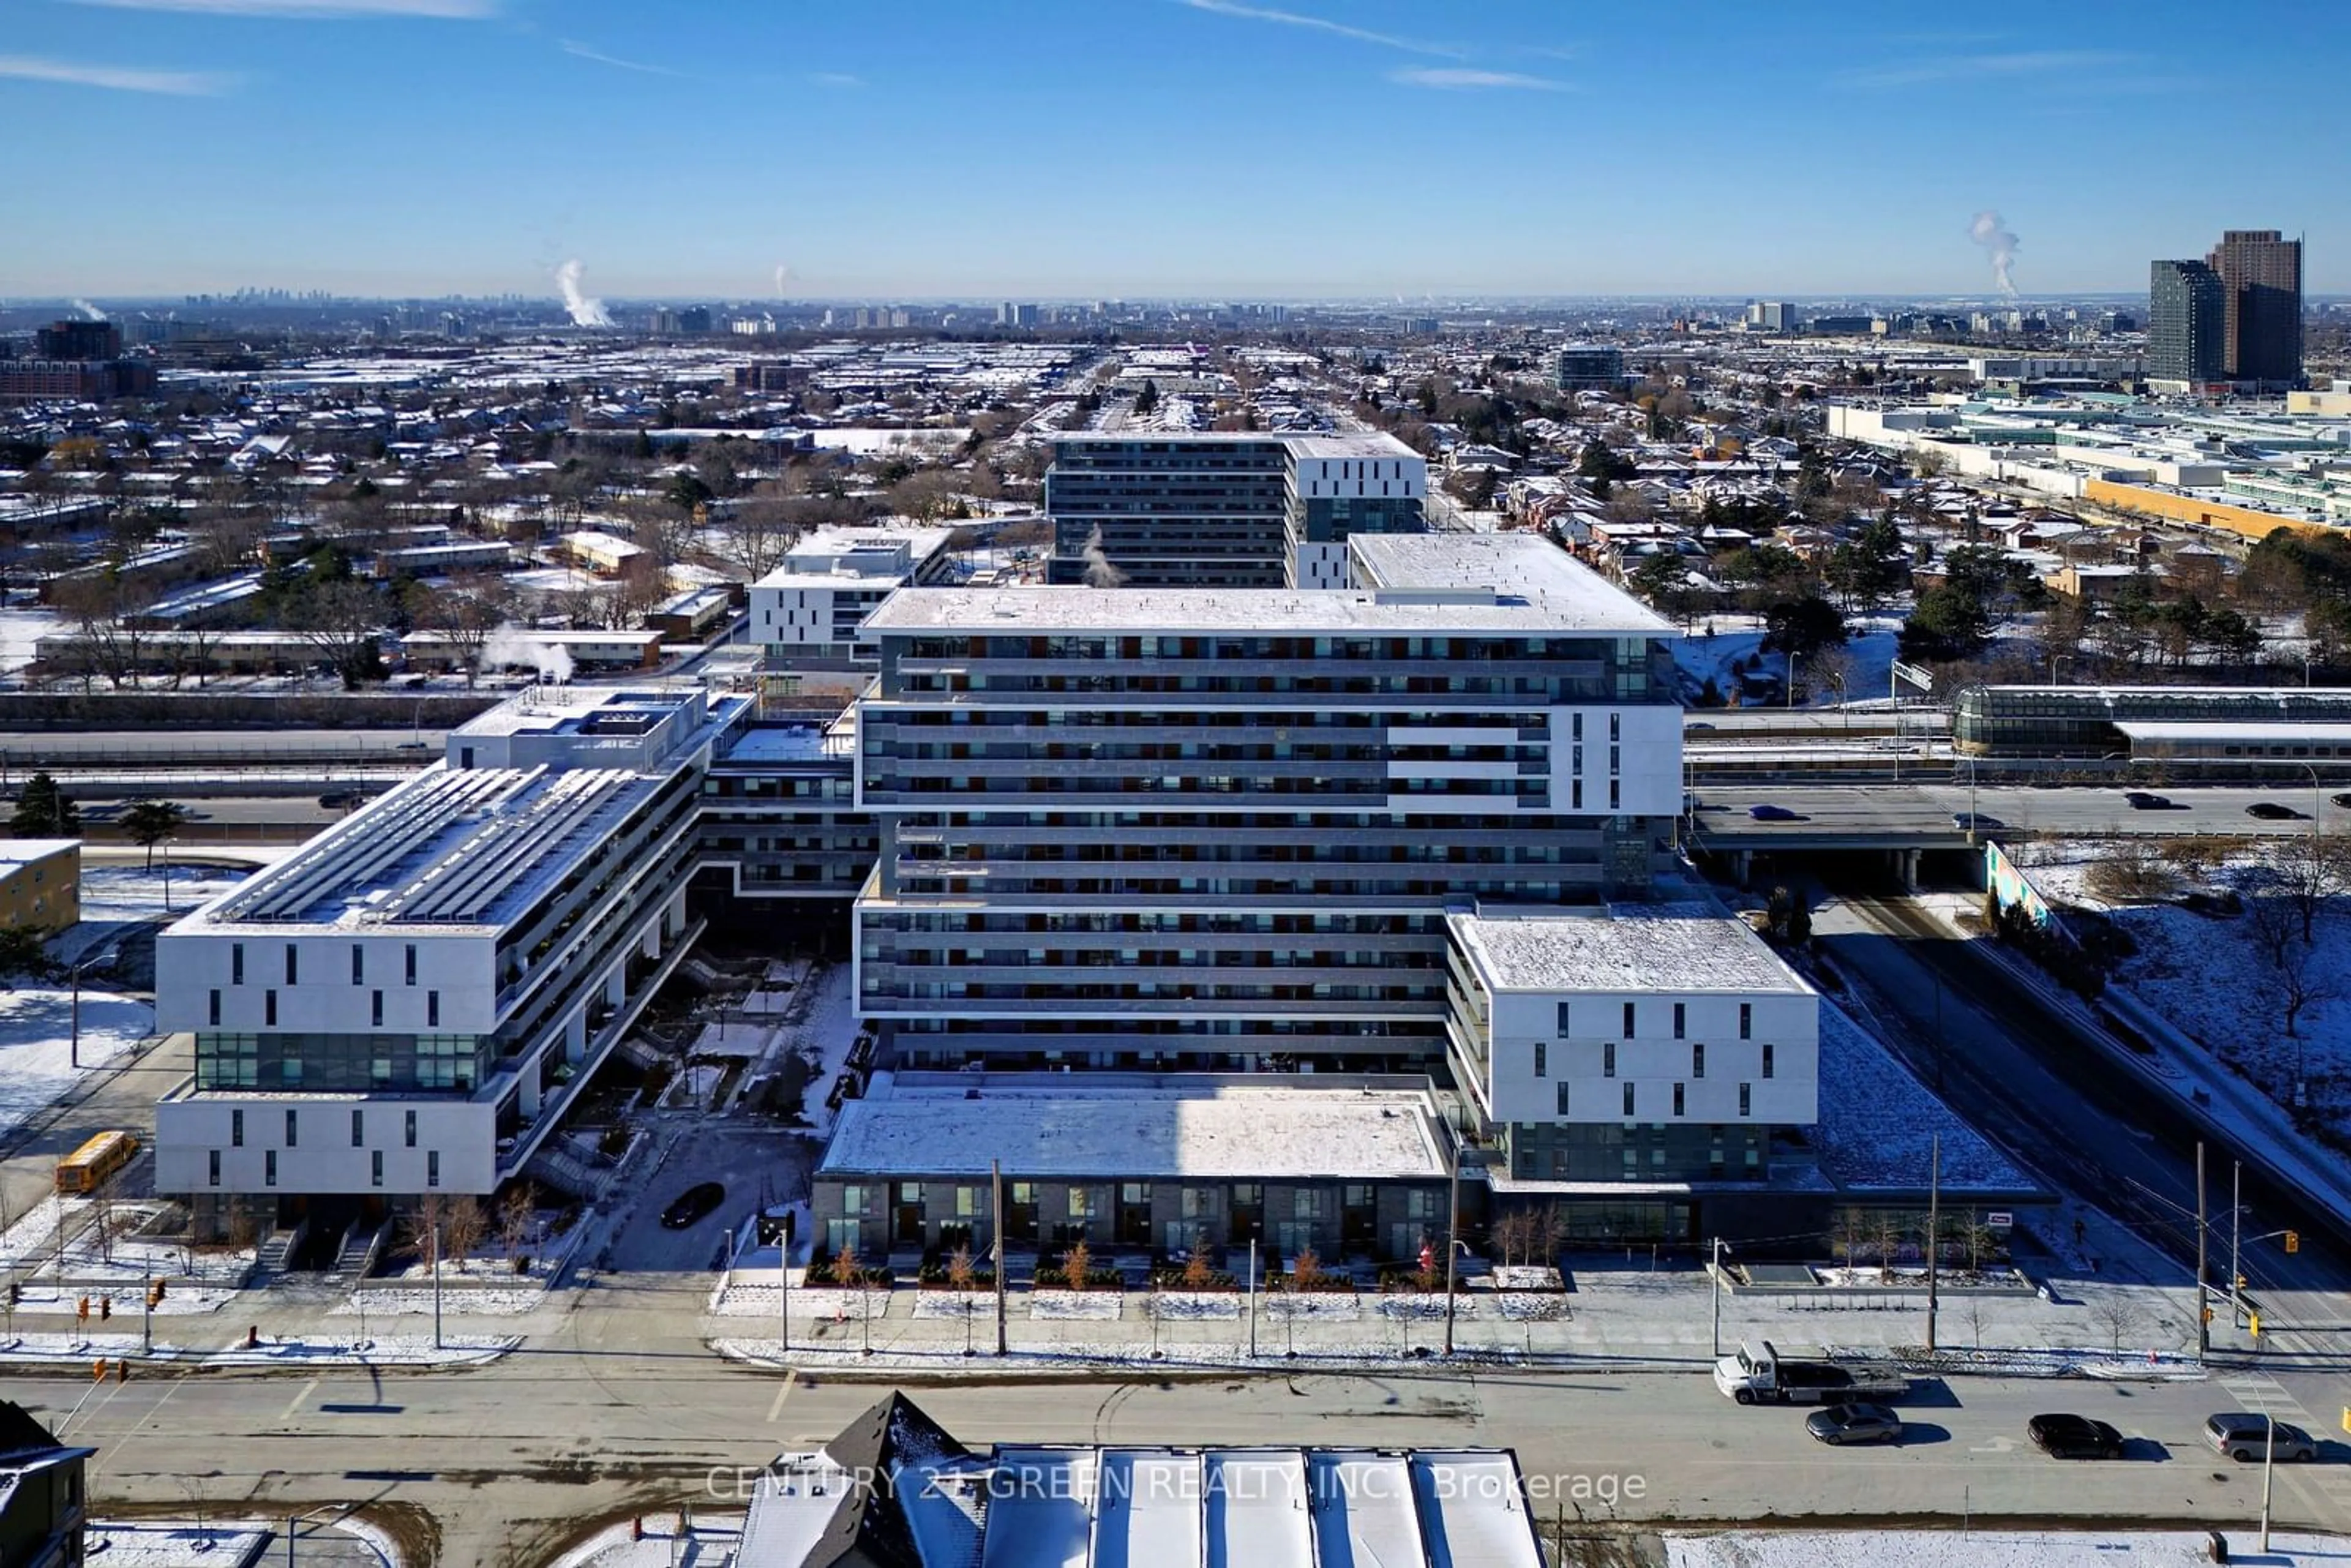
(15, 853)
(1690, 948)
(1523, 564)
(1056, 1126)
(551, 708)
(1592, 607)
(450, 849)
(2258, 731)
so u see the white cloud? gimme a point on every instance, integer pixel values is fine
(1476, 81)
(120, 78)
(1978, 67)
(446, 10)
(573, 47)
(1319, 24)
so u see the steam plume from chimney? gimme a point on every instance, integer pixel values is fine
(89, 310)
(585, 311)
(1989, 230)
(1100, 572)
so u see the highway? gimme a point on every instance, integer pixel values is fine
(92, 748)
(2023, 812)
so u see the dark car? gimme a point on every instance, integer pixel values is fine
(339, 800)
(1770, 814)
(1838, 1425)
(1975, 820)
(2141, 800)
(694, 1204)
(2343, 800)
(2271, 811)
(2073, 1438)
(2244, 1437)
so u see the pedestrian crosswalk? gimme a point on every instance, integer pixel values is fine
(2259, 1392)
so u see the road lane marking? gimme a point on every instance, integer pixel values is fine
(792, 1374)
(301, 1394)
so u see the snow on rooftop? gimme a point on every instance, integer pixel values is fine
(1622, 947)
(1581, 608)
(1521, 564)
(1047, 1126)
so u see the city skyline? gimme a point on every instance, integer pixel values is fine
(1197, 148)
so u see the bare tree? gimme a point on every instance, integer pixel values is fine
(1076, 1265)
(1848, 1233)
(466, 611)
(2132, 870)
(960, 1272)
(846, 1268)
(753, 536)
(100, 609)
(466, 1227)
(2302, 982)
(1306, 1270)
(345, 622)
(1886, 1229)
(2114, 1308)
(514, 1215)
(426, 1227)
(2309, 871)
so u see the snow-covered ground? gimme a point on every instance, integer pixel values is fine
(312, 1350)
(2210, 976)
(35, 1044)
(711, 1541)
(1877, 1128)
(1074, 1306)
(119, 893)
(1868, 656)
(20, 629)
(1876, 1548)
(160, 1545)
(473, 1301)
(823, 1039)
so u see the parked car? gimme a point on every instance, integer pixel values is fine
(2343, 800)
(693, 1205)
(2141, 800)
(2244, 1437)
(2271, 812)
(1841, 1424)
(1771, 813)
(1975, 820)
(341, 800)
(2065, 1437)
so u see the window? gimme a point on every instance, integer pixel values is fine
(432, 1167)
(1628, 1021)
(1746, 1099)
(269, 1167)
(1542, 1057)
(237, 963)
(1697, 1059)
(293, 964)
(375, 1169)
(411, 963)
(1628, 1100)
(411, 1129)
(270, 1009)
(1767, 1062)
(358, 965)
(1680, 1094)
(1563, 1097)
(1608, 1060)
(358, 1128)
(212, 1009)
(375, 1008)
(1563, 1030)
(237, 1129)
(432, 1009)
(1082, 1203)
(1681, 1020)
(212, 1173)
(1746, 1020)
(293, 1128)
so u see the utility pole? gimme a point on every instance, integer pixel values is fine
(435, 1229)
(1717, 1297)
(784, 1279)
(2269, 1474)
(2204, 1315)
(1252, 1298)
(1452, 1230)
(1934, 1230)
(2236, 1225)
(996, 1208)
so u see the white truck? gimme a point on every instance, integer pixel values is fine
(1758, 1376)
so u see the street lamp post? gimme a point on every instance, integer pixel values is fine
(1719, 1250)
(97, 960)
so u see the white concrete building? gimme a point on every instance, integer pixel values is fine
(810, 612)
(1675, 1017)
(406, 1003)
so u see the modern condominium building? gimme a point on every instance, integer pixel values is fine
(408, 1002)
(1230, 509)
(810, 612)
(1159, 827)
(2186, 325)
(2261, 279)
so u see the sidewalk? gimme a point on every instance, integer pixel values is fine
(1628, 1317)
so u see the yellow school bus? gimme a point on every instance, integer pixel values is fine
(88, 1167)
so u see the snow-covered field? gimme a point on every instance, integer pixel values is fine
(1982, 1549)
(1868, 656)
(2212, 978)
(127, 893)
(35, 1044)
(824, 1037)
(172, 1545)
(1074, 1306)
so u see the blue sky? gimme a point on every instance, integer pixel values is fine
(1076, 148)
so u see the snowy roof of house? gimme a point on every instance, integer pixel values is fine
(1053, 1127)
(16, 854)
(1621, 947)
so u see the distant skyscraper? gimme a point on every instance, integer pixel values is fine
(2261, 277)
(2186, 324)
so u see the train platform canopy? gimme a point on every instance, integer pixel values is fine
(2186, 738)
